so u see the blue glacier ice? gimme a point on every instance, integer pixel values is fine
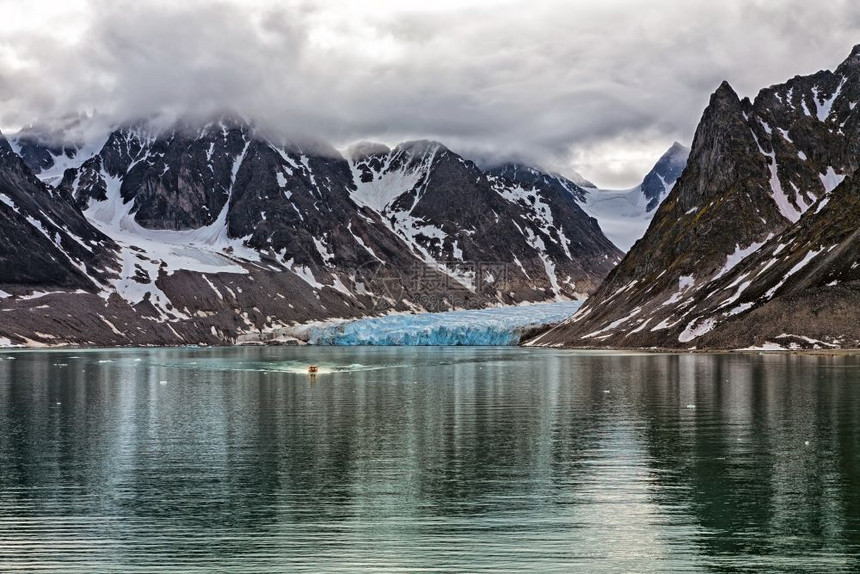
(497, 326)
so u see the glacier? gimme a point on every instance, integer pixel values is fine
(495, 326)
(622, 214)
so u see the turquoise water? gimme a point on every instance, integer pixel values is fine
(427, 459)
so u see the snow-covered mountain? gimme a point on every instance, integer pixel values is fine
(757, 245)
(447, 210)
(661, 179)
(49, 152)
(45, 242)
(624, 215)
(208, 230)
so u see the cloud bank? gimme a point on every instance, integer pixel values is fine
(602, 87)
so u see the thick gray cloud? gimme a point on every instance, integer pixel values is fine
(603, 87)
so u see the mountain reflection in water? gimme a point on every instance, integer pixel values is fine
(448, 459)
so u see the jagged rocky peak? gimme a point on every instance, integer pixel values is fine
(852, 61)
(446, 208)
(725, 171)
(723, 256)
(725, 94)
(659, 181)
(124, 145)
(808, 131)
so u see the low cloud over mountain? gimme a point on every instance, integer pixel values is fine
(557, 85)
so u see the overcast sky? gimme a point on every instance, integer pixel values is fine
(602, 86)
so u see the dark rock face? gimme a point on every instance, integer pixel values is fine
(185, 179)
(660, 180)
(286, 201)
(761, 176)
(368, 159)
(177, 179)
(44, 240)
(39, 156)
(802, 286)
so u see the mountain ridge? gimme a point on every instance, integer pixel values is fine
(216, 231)
(759, 171)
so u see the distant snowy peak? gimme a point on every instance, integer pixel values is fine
(624, 215)
(660, 180)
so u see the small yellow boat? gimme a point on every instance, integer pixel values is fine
(313, 369)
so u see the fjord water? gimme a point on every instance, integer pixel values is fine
(427, 459)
